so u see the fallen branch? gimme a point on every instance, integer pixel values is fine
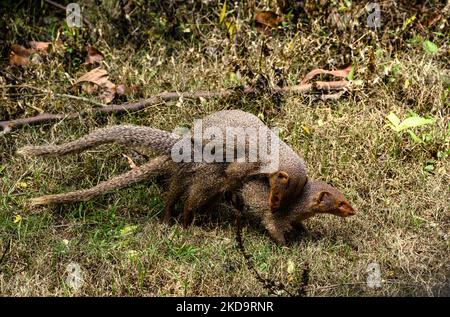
(163, 97)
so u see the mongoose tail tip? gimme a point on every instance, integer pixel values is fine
(39, 201)
(26, 151)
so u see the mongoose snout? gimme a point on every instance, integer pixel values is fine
(345, 209)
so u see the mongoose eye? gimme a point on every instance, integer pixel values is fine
(341, 204)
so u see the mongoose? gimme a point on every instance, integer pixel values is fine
(317, 197)
(286, 181)
(205, 182)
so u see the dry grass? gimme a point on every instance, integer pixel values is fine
(403, 209)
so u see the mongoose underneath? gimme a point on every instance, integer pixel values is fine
(316, 197)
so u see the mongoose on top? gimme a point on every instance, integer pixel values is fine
(286, 181)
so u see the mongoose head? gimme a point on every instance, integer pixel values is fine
(323, 198)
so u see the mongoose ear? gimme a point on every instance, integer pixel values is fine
(322, 196)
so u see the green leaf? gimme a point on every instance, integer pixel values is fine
(429, 168)
(351, 73)
(394, 120)
(223, 12)
(430, 47)
(441, 154)
(413, 122)
(427, 138)
(395, 69)
(17, 219)
(230, 28)
(414, 137)
(408, 22)
(125, 231)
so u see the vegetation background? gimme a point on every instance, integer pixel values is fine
(396, 177)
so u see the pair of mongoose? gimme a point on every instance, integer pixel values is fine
(280, 199)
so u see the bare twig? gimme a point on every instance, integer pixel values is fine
(162, 97)
(7, 248)
(59, 6)
(271, 285)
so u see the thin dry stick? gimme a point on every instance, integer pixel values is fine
(7, 248)
(162, 97)
(60, 6)
(46, 91)
(271, 285)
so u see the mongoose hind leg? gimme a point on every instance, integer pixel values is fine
(198, 197)
(277, 235)
(173, 195)
(278, 183)
(205, 187)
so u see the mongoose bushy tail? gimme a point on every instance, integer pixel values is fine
(129, 135)
(154, 167)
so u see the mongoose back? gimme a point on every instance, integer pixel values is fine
(287, 181)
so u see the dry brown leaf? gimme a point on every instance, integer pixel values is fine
(125, 90)
(89, 88)
(433, 19)
(266, 20)
(19, 55)
(18, 60)
(109, 92)
(121, 89)
(338, 73)
(99, 76)
(40, 46)
(130, 161)
(93, 55)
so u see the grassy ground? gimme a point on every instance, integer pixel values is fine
(400, 187)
